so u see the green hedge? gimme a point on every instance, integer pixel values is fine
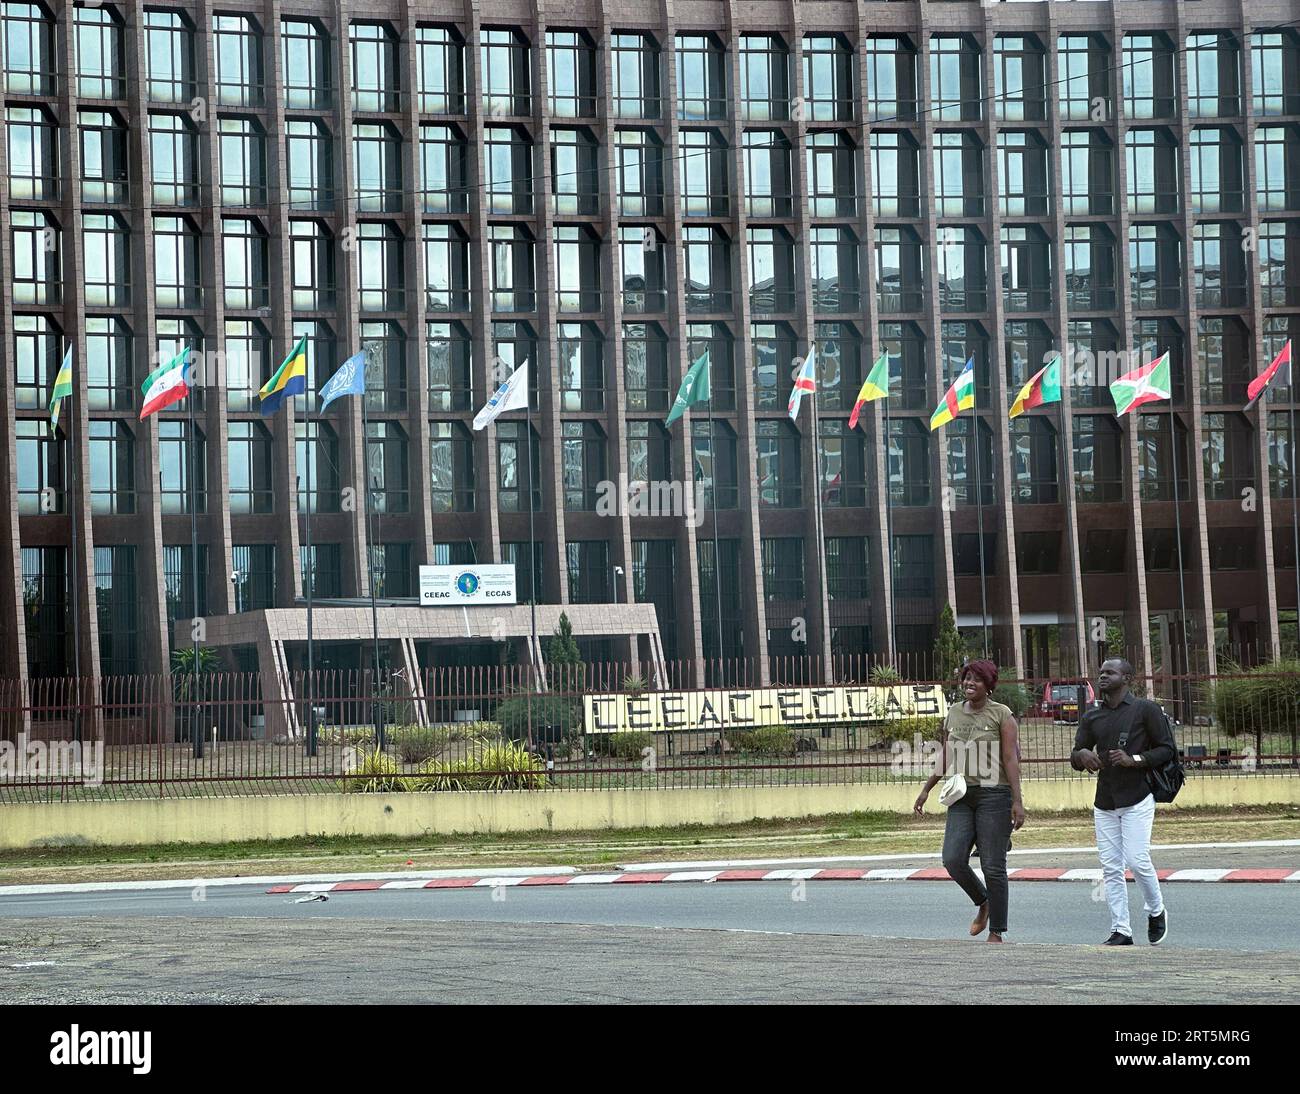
(1265, 699)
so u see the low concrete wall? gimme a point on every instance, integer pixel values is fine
(219, 820)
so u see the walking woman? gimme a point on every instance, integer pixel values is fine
(981, 743)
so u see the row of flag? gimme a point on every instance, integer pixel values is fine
(1151, 383)
(1148, 384)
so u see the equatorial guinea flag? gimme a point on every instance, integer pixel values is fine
(1281, 363)
(168, 384)
(1148, 384)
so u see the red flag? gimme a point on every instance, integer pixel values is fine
(1260, 383)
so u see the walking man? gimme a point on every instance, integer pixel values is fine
(1121, 739)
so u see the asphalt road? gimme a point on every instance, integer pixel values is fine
(724, 942)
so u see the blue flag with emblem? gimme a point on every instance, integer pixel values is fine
(350, 379)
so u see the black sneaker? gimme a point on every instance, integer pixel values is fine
(1158, 927)
(1117, 939)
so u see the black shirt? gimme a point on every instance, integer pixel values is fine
(1148, 736)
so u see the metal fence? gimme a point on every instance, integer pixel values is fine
(588, 726)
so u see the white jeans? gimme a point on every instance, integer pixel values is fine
(1124, 839)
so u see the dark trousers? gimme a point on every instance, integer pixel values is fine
(982, 818)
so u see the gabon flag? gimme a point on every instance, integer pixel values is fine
(1281, 364)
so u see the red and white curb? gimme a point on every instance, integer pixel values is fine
(924, 873)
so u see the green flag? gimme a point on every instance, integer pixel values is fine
(694, 390)
(1148, 384)
(62, 389)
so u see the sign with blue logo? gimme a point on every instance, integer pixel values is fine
(457, 586)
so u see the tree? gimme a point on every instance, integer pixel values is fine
(563, 657)
(949, 649)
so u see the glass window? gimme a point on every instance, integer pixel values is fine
(955, 78)
(583, 465)
(40, 467)
(248, 363)
(1098, 458)
(703, 173)
(105, 174)
(112, 468)
(182, 471)
(701, 78)
(1018, 70)
(1083, 77)
(513, 468)
(1213, 75)
(829, 78)
(575, 173)
(444, 187)
(174, 160)
(1150, 80)
(375, 68)
(237, 47)
(1087, 173)
(958, 160)
(101, 67)
(254, 576)
(307, 72)
(451, 468)
(440, 61)
(581, 366)
(251, 459)
(36, 246)
(639, 164)
(377, 168)
(508, 155)
(387, 468)
(634, 64)
(106, 260)
(504, 73)
(33, 152)
(381, 264)
(571, 73)
(310, 166)
(448, 356)
(780, 483)
(764, 78)
(512, 250)
(908, 465)
(891, 78)
(385, 347)
(769, 185)
(109, 357)
(243, 162)
(176, 263)
(446, 267)
(116, 609)
(1277, 168)
(246, 263)
(590, 573)
(311, 251)
(169, 53)
(29, 64)
(1275, 72)
(895, 174)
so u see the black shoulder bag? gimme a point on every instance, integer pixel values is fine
(1166, 780)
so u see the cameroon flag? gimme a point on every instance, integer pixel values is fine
(1043, 387)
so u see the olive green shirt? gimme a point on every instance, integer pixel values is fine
(975, 743)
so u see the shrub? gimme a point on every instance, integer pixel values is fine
(547, 710)
(1013, 695)
(621, 746)
(904, 729)
(634, 683)
(885, 676)
(1266, 698)
(504, 765)
(763, 740)
(415, 744)
(380, 773)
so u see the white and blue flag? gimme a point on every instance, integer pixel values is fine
(512, 395)
(349, 380)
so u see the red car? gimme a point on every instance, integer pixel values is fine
(1060, 701)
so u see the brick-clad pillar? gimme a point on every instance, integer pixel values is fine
(1137, 635)
(1266, 571)
(1196, 554)
(879, 521)
(816, 593)
(148, 523)
(691, 540)
(77, 422)
(751, 561)
(1072, 639)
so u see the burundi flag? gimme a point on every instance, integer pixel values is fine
(290, 379)
(1043, 387)
(166, 385)
(695, 388)
(805, 381)
(62, 389)
(1281, 365)
(875, 386)
(1148, 384)
(959, 397)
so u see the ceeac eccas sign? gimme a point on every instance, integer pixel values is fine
(458, 586)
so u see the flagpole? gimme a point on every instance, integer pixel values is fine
(979, 516)
(1295, 518)
(713, 500)
(377, 707)
(887, 555)
(197, 714)
(1178, 538)
(532, 557)
(311, 572)
(817, 501)
(74, 570)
